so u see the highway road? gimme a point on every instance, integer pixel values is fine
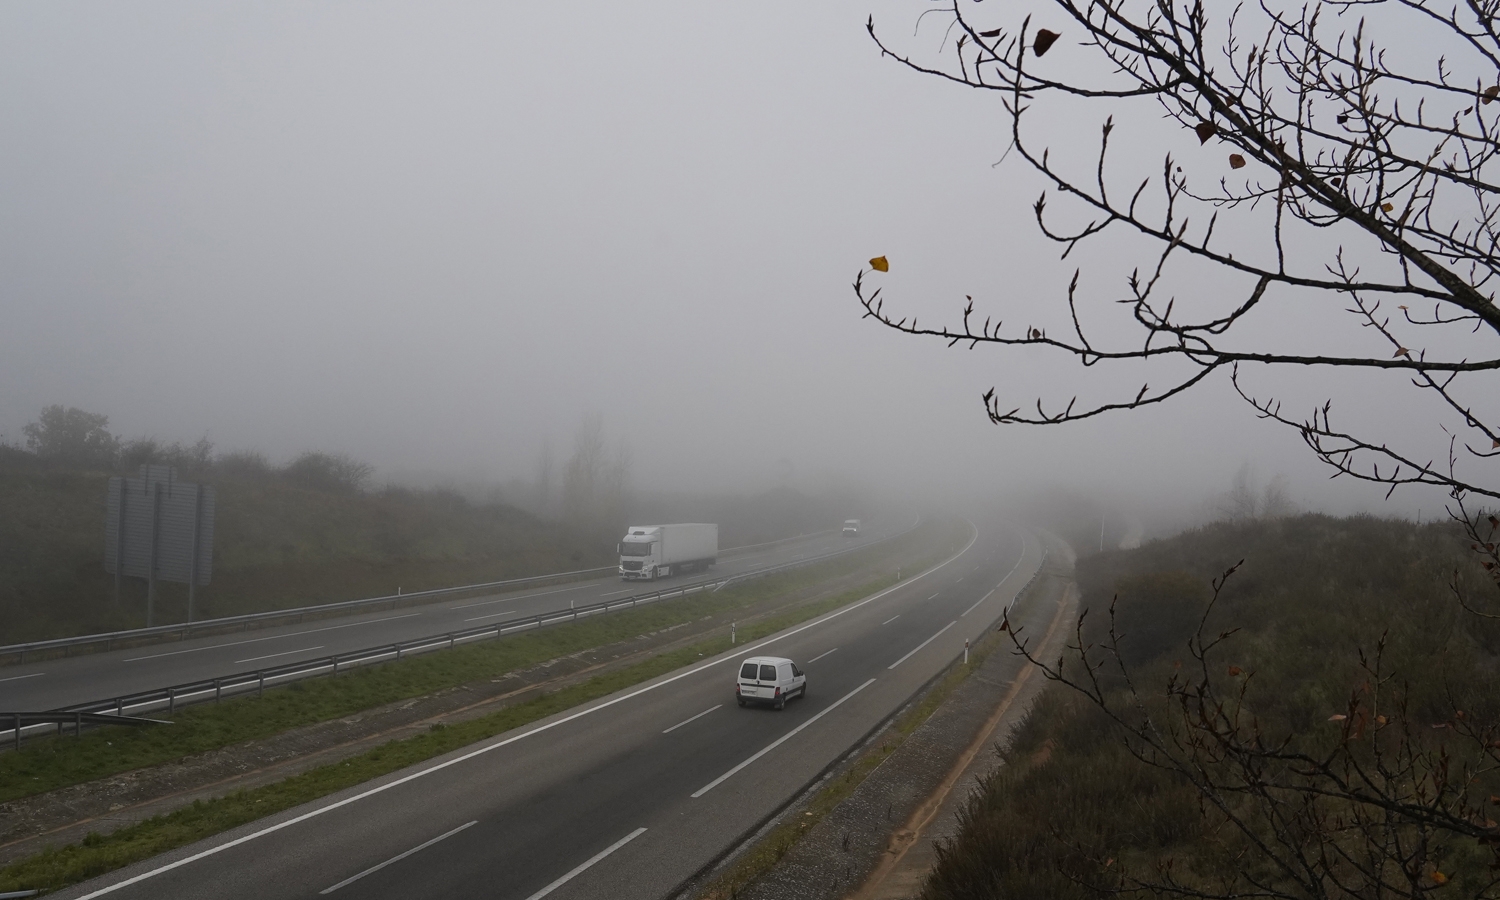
(626, 797)
(49, 684)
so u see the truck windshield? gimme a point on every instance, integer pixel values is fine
(635, 548)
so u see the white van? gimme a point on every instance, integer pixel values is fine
(769, 679)
(851, 526)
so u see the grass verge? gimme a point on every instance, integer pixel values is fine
(779, 841)
(98, 854)
(49, 763)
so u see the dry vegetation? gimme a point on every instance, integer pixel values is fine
(1327, 747)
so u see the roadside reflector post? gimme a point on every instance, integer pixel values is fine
(731, 633)
(966, 651)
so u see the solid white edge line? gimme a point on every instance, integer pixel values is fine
(274, 655)
(271, 638)
(591, 860)
(820, 656)
(694, 718)
(19, 677)
(397, 858)
(921, 645)
(438, 767)
(891, 619)
(777, 743)
(507, 599)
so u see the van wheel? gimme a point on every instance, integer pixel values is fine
(781, 704)
(803, 693)
(742, 700)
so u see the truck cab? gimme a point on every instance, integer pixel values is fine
(640, 553)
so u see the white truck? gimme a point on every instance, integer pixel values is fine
(649, 552)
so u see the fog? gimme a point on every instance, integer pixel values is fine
(437, 236)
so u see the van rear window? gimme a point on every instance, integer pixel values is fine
(748, 671)
(767, 673)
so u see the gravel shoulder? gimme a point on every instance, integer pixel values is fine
(68, 815)
(880, 842)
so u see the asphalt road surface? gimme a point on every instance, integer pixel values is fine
(54, 683)
(626, 797)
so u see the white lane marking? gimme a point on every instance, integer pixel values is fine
(617, 593)
(593, 859)
(934, 595)
(979, 601)
(19, 677)
(891, 619)
(921, 645)
(509, 597)
(273, 637)
(693, 719)
(274, 655)
(778, 742)
(820, 656)
(732, 657)
(397, 858)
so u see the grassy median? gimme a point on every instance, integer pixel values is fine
(98, 854)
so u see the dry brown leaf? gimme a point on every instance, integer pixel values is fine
(880, 264)
(1490, 93)
(1044, 41)
(1205, 130)
(1337, 717)
(1401, 351)
(1439, 877)
(1236, 161)
(995, 33)
(1234, 670)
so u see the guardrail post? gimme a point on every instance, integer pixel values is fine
(260, 690)
(335, 664)
(119, 707)
(452, 639)
(398, 653)
(216, 690)
(16, 731)
(171, 701)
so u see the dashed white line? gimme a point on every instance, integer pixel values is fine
(693, 719)
(934, 595)
(776, 743)
(921, 645)
(979, 601)
(274, 655)
(397, 858)
(273, 637)
(593, 859)
(820, 656)
(507, 599)
(19, 677)
(505, 742)
(891, 619)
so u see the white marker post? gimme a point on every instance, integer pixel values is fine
(966, 651)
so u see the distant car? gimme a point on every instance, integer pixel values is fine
(851, 526)
(769, 679)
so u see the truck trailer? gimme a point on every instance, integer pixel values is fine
(649, 552)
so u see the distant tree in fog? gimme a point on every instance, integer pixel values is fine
(333, 472)
(1247, 501)
(595, 483)
(69, 435)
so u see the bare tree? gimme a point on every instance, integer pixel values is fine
(1334, 171)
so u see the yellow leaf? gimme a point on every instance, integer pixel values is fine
(1439, 877)
(1386, 207)
(880, 264)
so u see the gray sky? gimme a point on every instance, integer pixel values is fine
(434, 235)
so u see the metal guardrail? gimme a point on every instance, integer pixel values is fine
(16, 653)
(77, 718)
(107, 711)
